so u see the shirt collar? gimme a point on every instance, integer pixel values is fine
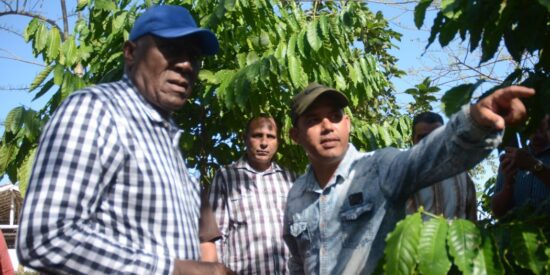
(242, 163)
(151, 112)
(340, 175)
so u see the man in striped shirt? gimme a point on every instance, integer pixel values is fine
(453, 197)
(109, 191)
(248, 198)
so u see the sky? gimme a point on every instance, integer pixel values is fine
(18, 66)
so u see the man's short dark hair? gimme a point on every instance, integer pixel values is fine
(262, 115)
(427, 117)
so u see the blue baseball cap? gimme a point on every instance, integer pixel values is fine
(170, 21)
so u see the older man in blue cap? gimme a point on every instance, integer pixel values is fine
(109, 191)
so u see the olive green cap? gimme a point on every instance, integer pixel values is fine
(305, 98)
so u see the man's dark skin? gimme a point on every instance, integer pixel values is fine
(164, 71)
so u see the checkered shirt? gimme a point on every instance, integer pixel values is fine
(109, 191)
(249, 208)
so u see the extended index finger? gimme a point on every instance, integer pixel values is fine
(515, 91)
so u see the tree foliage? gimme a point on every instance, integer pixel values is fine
(514, 245)
(520, 26)
(517, 243)
(270, 50)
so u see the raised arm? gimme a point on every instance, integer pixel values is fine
(466, 139)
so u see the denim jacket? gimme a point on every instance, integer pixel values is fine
(341, 229)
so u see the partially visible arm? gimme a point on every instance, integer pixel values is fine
(184, 267)
(468, 137)
(218, 201)
(208, 231)
(208, 252)
(522, 159)
(503, 199)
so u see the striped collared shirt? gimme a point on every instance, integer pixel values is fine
(249, 207)
(454, 197)
(109, 191)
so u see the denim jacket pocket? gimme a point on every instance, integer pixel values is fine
(355, 222)
(299, 230)
(355, 212)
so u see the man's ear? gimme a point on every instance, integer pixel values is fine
(348, 119)
(128, 49)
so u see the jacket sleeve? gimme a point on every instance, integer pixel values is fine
(445, 152)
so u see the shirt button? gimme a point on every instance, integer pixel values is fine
(323, 199)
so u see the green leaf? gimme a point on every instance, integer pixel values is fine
(7, 155)
(291, 48)
(401, 246)
(30, 30)
(301, 42)
(451, 8)
(54, 40)
(44, 89)
(324, 24)
(118, 22)
(487, 262)
(208, 77)
(464, 241)
(313, 37)
(353, 74)
(32, 125)
(58, 73)
(106, 5)
(432, 250)
(69, 52)
(525, 243)
(41, 38)
(14, 120)
(457, 96)
(81, 4)
(448, 32)
(24, 171)
(420, 12)
(40, 78)
(296, 72)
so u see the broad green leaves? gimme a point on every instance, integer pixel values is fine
(528, 244)
(432, 252)
(446, 246)
(401, 246)
(464, 241)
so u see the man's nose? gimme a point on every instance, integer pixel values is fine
(186, 64)
(326, 123)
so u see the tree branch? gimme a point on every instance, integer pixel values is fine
(32, 15)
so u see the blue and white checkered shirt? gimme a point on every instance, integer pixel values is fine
(109, 191)
(249, 207)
